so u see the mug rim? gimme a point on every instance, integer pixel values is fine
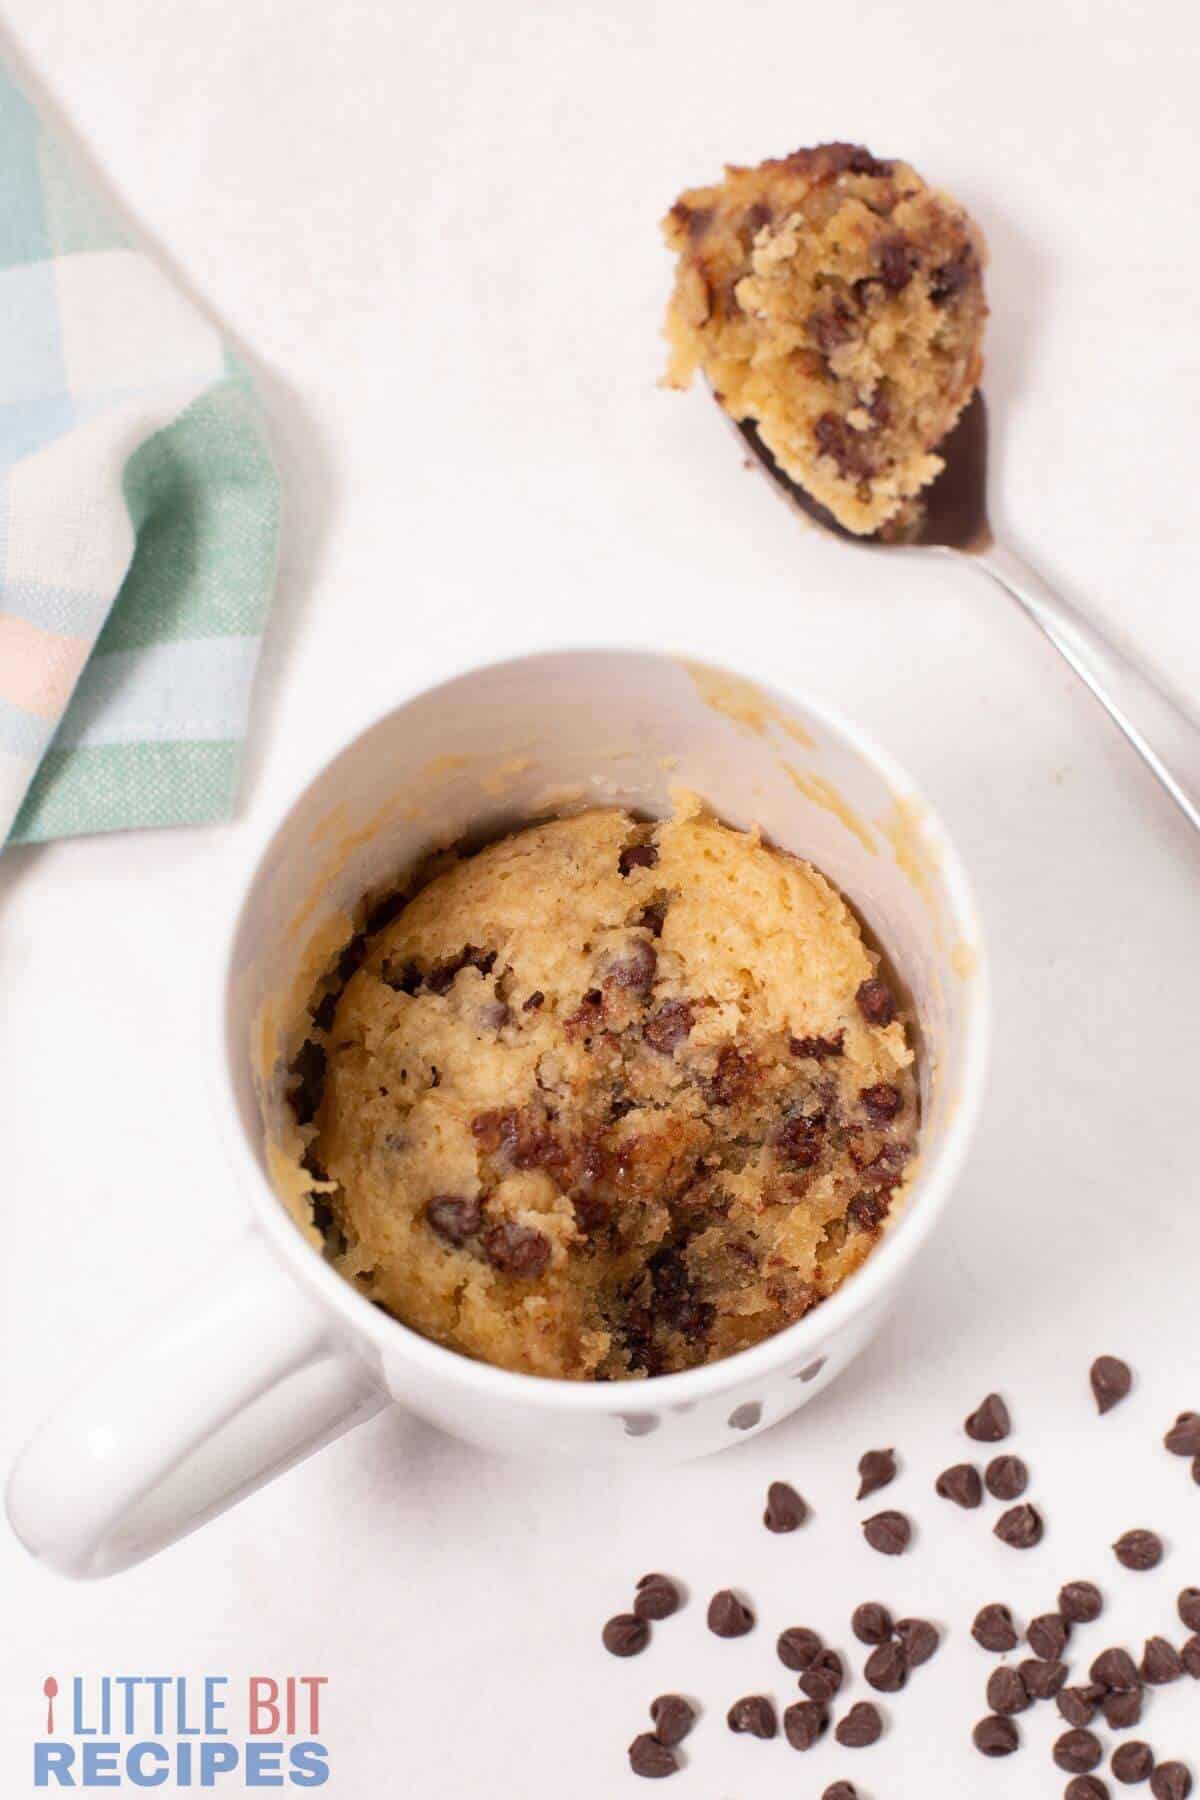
(883, 1268)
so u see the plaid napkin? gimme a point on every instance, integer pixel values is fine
(139, 514)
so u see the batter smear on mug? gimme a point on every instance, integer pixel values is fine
(608, 1099)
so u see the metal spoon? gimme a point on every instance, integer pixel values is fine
(1162, 728)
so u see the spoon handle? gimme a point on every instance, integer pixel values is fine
(1162, 729)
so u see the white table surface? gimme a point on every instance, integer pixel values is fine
(432, 229)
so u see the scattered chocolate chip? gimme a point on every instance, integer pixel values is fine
(728, 1617)
(920, 1640)
(871, 1623)
(1170, 1781)
(625, 1635)
(1111, 1381)
(1006, 1477)
(1020, 1527)
(1078, 1752)
(673, 1718)
(867, 1213)
(1085, 1787)
(785, 1509)
(649, 1757)
(823, 1677)
(637, 856)
(896, 258)
(797, 1647)
(1183, 1439)
(1115, 1670)
(803, 1723)
(1132, 1762)
(754, 1715)
(1080, 1601)
(990, 1422)
(876, 1469)
(1078, 1704)
(1190, 1655)
(888, 1532)
(819, 1048)
(994, 1629)
(1124, 1710)
(861, 1727)
(453, 1219)
(875, 1002)
(882, 1101)
(536, 999)
(886, 1669)
(1043, 1679)
(799, 1139)
(1161, 1662)
(1139, 1550)
(516, 1249)
(1189, 1607)
(1007, 1693)
(1047, 1636)
(996, 1736)
(668, 1026)
(636, 971)
(657, 1598)
(961, 1484)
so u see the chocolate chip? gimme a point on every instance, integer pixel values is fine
(1161, 1662)
(1047, 1636)
(961, 1484)
(875, 1003)
(886, 1669)
(861, 1727)
(1139, 1550)
(1020, 1527)
(1078, 1704)
(1170, 1781)
(626, 1635)
(1183, 1439)
(516, 1249)
(823, 1677)
(888, 1532)
(819, 1048)
(876, 1468)
(1080, 1601)
(668, 1026)
(728, 1617)
(636, 971)
(994, 1629)
(1078, 1752)
(871, 1623)
(835, 439)
(657, 1598)
(754, 1715)
(536, 999)
(990, 1422)
(673, 1718)
(1007, 1693)
(1189, 1607)
(1115, 1670)
(797, 1647)
(920, 1640)
(1043, 1679)
(840, 1790)
(1122, 1711)
(832, 327)
(734, 1077)
(453, 1219)
(803, 1723)
(1085, 1787)
(785, 1510)
(637, 856)
(867, 1213)
(1191, 1657)
(996, 1736)
(1111, 1381)
(896, 260)
(882, 1101)
(1006, 1477)
(1132, 1762)
(798, 1140)
(649, 1757)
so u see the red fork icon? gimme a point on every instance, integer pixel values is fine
(50, 1689)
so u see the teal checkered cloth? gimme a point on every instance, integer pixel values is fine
(139, 518)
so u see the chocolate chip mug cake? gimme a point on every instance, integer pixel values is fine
(837, 301)
(606, 1099)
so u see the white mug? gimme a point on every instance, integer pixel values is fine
(273, 1354)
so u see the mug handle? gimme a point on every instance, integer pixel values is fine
(240, 1379)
